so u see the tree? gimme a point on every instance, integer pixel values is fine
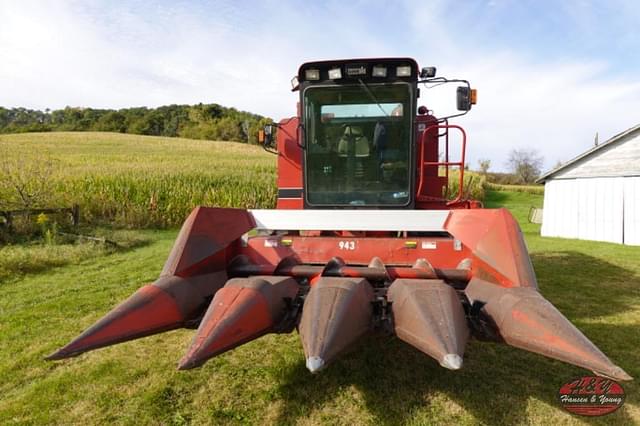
(526, 164)
(26, 184)
(113, 121)
(484, 164)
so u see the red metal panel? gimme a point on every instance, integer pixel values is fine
(428, 315)
(290, 203)
(165, 305)
(205, 234)
(526, 320)
(289, 160)
(494, 237)
(336, 312)
(440, 252)
(246, 308)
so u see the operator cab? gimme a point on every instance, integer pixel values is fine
(358, 140)
(357, 132)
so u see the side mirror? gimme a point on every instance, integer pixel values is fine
(465, 98)
(265, 136)
(428, 72)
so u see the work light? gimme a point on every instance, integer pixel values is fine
(335, 73)
(379, 72)
(403, 71)
(312, 74)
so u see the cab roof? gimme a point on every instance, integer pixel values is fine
(363, 68)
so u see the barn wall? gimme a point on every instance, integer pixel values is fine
(632, 211)
(621, 158)
(598, 209)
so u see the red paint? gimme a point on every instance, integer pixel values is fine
(236, 315)
(289, 162)
(540, 331)
(203, 238)
(313, 281)
(147, 310)
(319, 250)
(430, 184)
(494, 237)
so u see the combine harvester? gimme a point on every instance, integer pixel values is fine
(365, 236)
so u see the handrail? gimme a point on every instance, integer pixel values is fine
(445, 163)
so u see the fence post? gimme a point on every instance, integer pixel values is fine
(75, 214)
(7, 216)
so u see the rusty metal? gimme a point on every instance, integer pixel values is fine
(428, 315)
(167, 304)
(526, 320)
(245, 309)
(369, 273)
(336, 313)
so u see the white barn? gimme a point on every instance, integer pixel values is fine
(596, 196)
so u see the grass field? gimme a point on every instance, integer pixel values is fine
(596, 285)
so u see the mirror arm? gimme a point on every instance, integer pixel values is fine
(443, 80)
(269, 150)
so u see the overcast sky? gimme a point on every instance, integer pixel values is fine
(549, 74)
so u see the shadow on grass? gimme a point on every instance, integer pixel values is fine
(583, 286)
(399, 384)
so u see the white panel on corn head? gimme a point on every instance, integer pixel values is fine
(351, 220)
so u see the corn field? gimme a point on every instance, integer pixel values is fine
(140, 181)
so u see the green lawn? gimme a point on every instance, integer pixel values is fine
(596, 285)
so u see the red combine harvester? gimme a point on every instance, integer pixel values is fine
(365, 236)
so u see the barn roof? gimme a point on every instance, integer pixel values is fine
(619, 138)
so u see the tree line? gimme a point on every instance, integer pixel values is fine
(201, 121)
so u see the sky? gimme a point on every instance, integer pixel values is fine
(549, 74)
